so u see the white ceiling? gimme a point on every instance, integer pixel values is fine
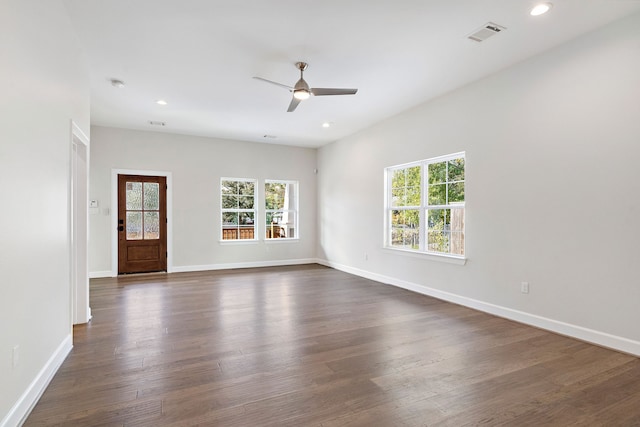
(200, 56)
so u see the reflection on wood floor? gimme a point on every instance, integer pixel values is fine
(312, 346)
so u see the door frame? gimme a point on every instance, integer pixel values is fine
(79, 226)
(114, 214)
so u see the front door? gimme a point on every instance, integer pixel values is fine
(142, 223)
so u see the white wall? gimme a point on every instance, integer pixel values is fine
(196, 165)
(552, 146)
(44, 86)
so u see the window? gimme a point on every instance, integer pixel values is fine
(281, 209)
(238, 208)
(425, 206)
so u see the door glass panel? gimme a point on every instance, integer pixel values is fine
(151, 196)
(151, 225)
(134, 195)
(134, 225)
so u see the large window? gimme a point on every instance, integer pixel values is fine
(238, 208)
(425, 206)
(281, 209)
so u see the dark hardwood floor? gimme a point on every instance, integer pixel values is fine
(312, 346)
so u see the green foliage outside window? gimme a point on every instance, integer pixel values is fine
(237, 199)
(443, 208)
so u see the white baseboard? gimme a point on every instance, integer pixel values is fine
(253, 264)
(25, 404)
(100, 274)
(585, 334)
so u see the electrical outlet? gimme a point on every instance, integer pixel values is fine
(524, 287)
(15, 356)
(366, 256)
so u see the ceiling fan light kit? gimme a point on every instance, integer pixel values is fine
(302, 91)
(301, 94)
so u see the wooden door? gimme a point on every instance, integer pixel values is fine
(142, 223)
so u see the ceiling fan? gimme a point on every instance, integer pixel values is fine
(302, 91)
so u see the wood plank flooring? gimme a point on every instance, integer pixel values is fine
(312, 346)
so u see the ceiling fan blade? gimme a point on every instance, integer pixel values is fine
(289, 88)
(294, 104)
(322, 91)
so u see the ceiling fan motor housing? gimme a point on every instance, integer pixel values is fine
(301, 89)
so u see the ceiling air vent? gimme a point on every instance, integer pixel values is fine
(486, 31)
(154, 123)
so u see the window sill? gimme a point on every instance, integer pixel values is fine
(282, 240)
(239, 242)
(449, 259)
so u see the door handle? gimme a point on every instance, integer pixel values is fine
(121, 228)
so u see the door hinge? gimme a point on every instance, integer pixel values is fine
(166, 220)
(166, 254)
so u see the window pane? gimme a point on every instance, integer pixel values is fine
(151, 196)
(413, 176)
(229, 202)
(229, 225)
(398, 179)
(405, 187)
(229, 187)
(405, 228)
(413, 196)
(397, 196)
(134, 225)
(245, 188)
(229, 218)
(438, 241)
(438, 194)
(151, 225)
(245, 202)
(246, 227)
(445, 231)
(436, 219)
(133, 196)
(280, 225)
(274, 193)
(437, 172)
(456, 170)
(230, 233)
(245, 218)
(456, 192)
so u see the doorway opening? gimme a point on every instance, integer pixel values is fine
(79, 226)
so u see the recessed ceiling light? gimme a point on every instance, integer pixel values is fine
(161, 102)
(541, 8)
(327, 124)
(117, 83)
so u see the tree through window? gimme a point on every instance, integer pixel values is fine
(281, 209)
(425, 206)
(238, 202)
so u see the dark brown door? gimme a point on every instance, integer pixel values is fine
(142, 223)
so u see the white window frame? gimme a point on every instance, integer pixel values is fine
(423, 208)
(294, 211)
(256, 219)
